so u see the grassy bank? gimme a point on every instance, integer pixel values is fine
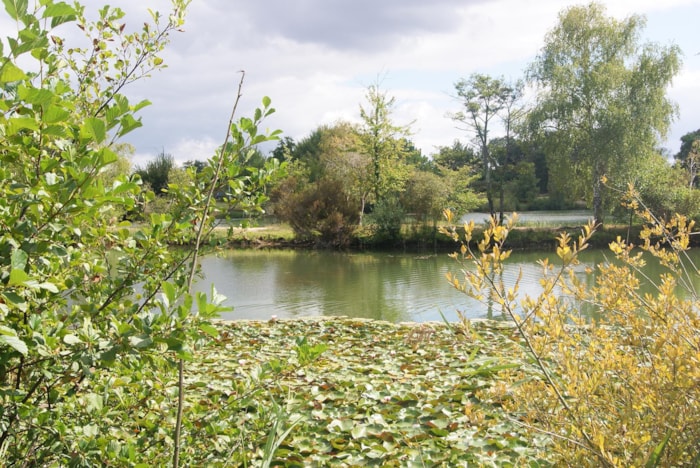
(414, 238)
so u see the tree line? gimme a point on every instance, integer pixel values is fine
(598, 112)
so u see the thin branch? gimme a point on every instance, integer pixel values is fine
(193, 269)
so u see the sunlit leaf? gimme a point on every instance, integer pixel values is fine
(9, 337)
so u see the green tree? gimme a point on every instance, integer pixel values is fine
(456, 156)
(689, 155)
(661, 187)
(317, 212)
(603, 100)
(308, 151)
(330, 180)
(156, 172)
(462, 196)
(384, 142)
(94, 313)
(197, 164)
(425, 196)
(284, 149)
(483, 99)
(342, 160)
(416, 158)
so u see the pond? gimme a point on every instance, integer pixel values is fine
(260, 284)
(539, 218)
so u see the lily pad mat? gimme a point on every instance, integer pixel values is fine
(381, 394)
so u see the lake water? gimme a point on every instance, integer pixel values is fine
(260, 284)
(540, 218)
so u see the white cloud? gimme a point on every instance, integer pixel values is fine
(314, 58)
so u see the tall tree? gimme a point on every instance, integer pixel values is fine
(283, 150)
(483, 99)
(602, 101)
(384, 142)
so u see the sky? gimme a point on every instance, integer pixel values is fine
(316, 58)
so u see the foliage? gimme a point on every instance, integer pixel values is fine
(387, 217)
(661, 187)
(94, 313)
(157, 171)
(484, 99)
(319, 212)
(513, 174)
(603, 100)
(330, 153)
(620, 390)
(524, 184)
(689, 155)
(462, 197)
(381, 394)
(425, 196)
(456, 156)
(384, 142)
(284, 149)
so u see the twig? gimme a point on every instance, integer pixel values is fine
(190, 281)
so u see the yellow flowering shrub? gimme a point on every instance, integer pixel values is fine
(610, 373)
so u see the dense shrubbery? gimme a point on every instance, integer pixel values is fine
(620, 389)
(94, 312)
(318, 213)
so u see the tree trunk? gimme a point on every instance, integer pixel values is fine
(500, 203)
(598, 195)
(362, 210)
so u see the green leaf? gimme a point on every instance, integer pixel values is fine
(141, 105)
(15, 299)
(11, 72)
(54, 114)
(128, 123)
(9, 337)
(209, 330)
(19, 259)
(48, 287)
(40, 97)
(94, 402)
(169, 292)
(17, 9)
(93, 129)
(202, 304)
(71, 339)
(266, 101)
(17, 277)
(141, 341)
(359, 431)
(15, 124)
(58, 9)
(655, 455)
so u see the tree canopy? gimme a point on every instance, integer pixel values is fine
(602, 103)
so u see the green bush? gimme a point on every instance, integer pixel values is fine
(97, 316)
(387, 216)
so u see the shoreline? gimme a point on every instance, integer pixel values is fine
(519, 239)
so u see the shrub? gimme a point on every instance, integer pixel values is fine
(388, 216)
(96, 317)
(618, 389)
(319, 213)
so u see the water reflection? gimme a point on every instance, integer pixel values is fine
(408, 287)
